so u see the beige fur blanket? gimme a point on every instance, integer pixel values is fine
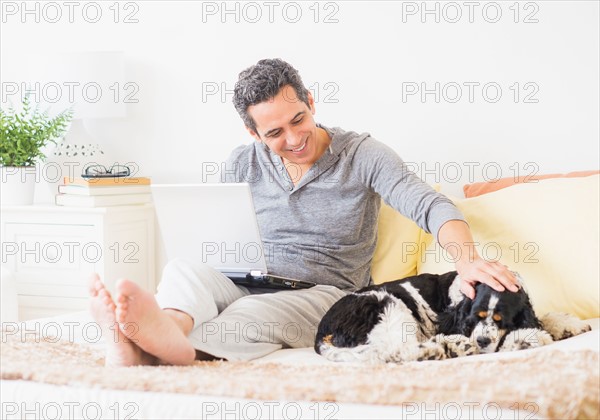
(546, 382)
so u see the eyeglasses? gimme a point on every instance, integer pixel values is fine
(100, 171)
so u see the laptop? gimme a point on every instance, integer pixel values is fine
(216, 224)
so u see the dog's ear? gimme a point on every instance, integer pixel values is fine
(453, 319)
(526, 318)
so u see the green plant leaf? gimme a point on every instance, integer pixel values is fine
(23, 134)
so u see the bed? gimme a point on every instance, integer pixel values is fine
(62, 376)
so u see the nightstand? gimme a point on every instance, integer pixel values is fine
(52, 250)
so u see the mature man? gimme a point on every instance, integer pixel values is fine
(317, 193)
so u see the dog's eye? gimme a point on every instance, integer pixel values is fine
(497, 317)
(482, 314)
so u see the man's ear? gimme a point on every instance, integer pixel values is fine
(311, 102)
(254, 134)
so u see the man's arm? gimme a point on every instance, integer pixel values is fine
(382, 170)
(455, 237)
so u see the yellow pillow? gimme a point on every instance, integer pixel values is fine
(397, 249)
(547, 231)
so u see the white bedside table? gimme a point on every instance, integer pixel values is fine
(52, 250)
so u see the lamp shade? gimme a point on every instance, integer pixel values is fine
(92, 82)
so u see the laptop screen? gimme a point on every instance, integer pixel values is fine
(211, 223)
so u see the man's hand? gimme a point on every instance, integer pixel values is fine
(492, 273)
(470, 266)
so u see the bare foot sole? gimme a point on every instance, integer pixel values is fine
(149, 327)
(120, 350)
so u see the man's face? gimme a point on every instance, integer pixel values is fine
(286, 125)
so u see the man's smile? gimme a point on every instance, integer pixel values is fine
(300, 148)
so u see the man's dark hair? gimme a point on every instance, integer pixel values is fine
(262, 82)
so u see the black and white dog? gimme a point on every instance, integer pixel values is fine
(426, 317)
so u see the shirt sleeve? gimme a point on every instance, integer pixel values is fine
(232, 170)
(383, 171)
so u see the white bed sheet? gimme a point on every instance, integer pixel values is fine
(26, 399)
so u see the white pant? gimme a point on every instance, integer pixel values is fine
(231, 322)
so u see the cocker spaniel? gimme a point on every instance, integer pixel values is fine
(426, 317)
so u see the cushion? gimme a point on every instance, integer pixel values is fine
(479, 188)
(396, 252)
(547, 231)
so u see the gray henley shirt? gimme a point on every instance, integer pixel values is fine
(324, 229)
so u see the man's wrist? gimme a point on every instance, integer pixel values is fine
(468, 256)
(464, 252)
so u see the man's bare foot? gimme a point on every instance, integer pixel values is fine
(149, 327)
(120, 350)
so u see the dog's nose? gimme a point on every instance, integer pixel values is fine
(483, 341)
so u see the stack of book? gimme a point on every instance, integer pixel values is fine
(104, 192)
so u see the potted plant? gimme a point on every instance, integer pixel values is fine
(23, 135)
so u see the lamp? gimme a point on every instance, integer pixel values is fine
(90, 82)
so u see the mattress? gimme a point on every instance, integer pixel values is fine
(40, 400)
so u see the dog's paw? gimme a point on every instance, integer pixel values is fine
(362, 353)
(525, 338)
(458, 345)
(431, 350)
(562, 325)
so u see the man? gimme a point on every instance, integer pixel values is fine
(317, 193)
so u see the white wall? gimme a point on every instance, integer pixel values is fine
(361, 65)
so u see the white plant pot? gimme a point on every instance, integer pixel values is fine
(17, 185)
